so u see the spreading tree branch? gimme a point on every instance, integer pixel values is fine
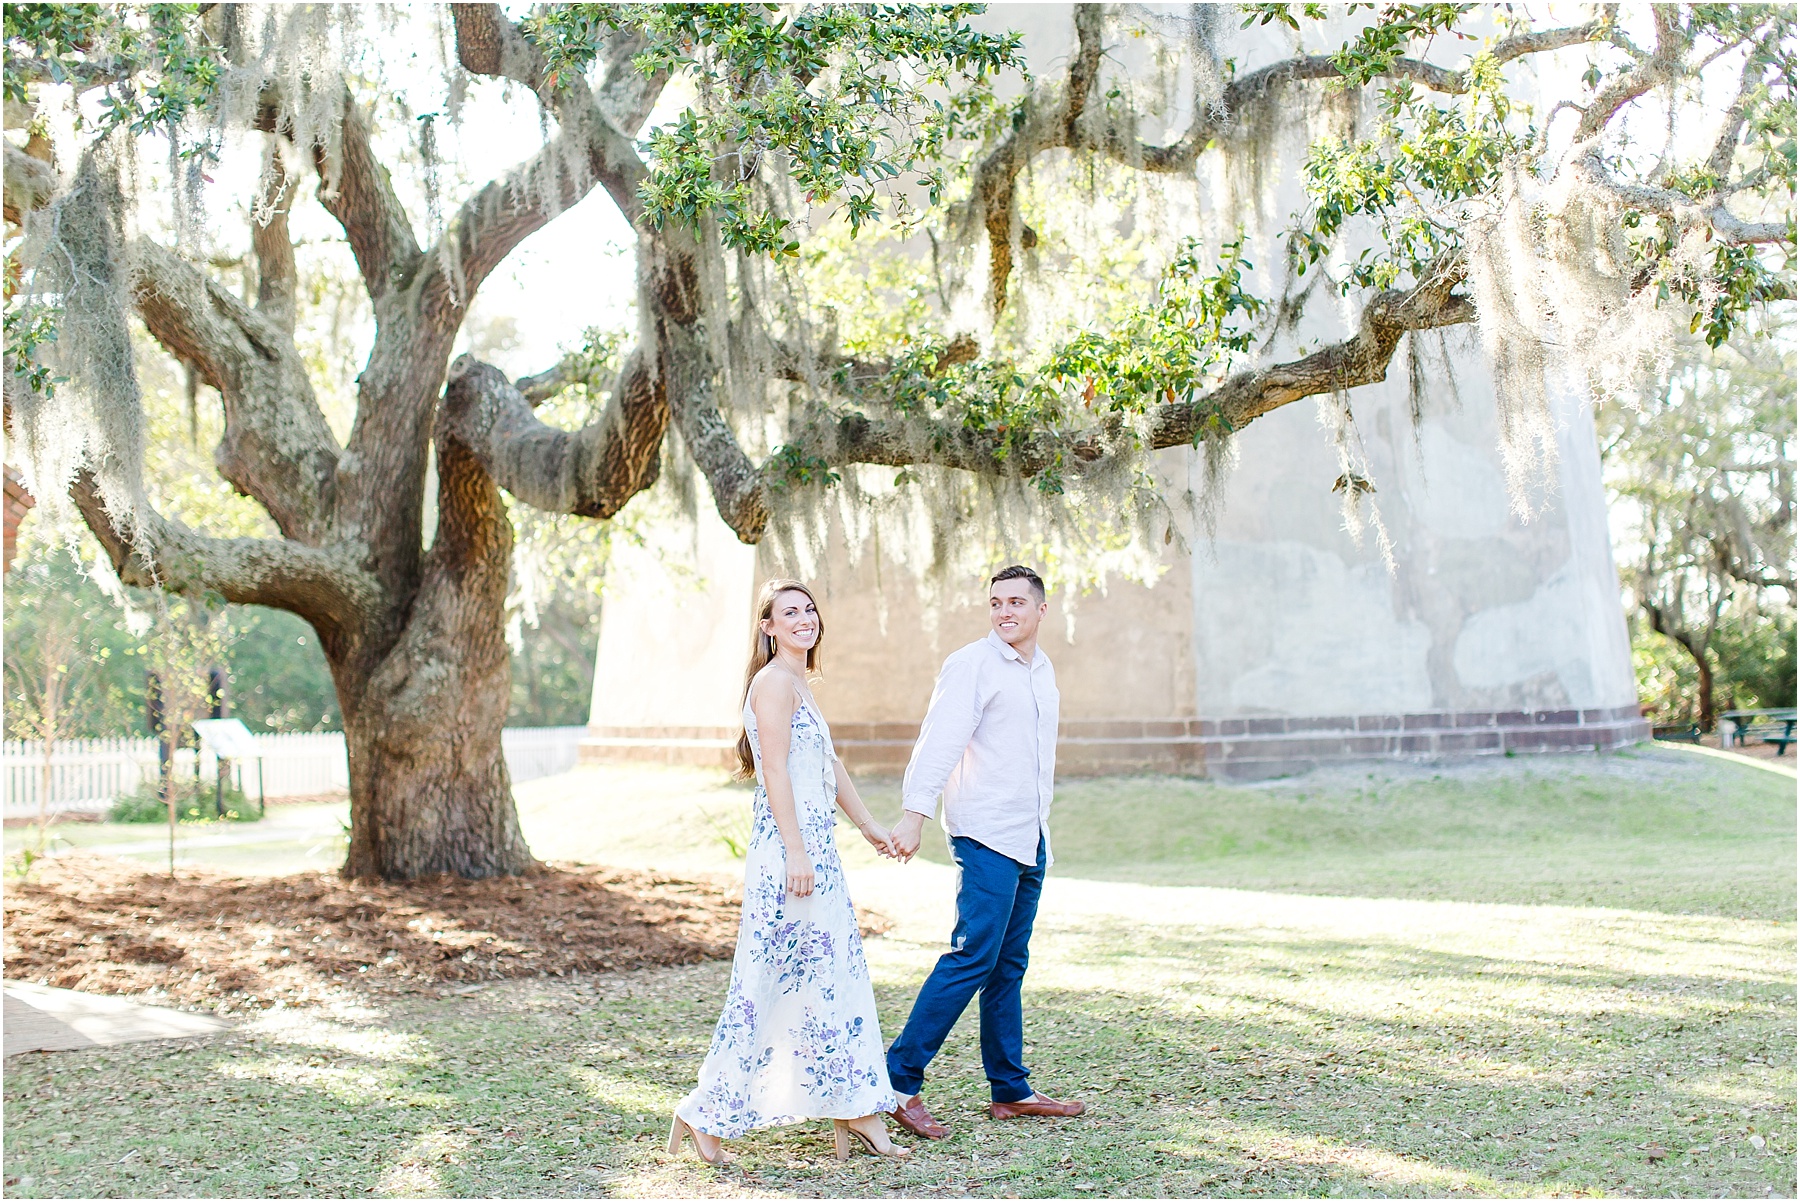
(594, 470)
(1314, 67)
(1521, 44)
(1587, 160)
(1051, 118)
(1054, 119)
(626, 95)
(320, 585)
(590, 472)
(1240, 399)
(421, 299)
(488, 43)
(1360, 359)
(276, 275)
(545, 384)
(1726, 144)
(1678, 206)
(80, 76)
(506, 211)
(1650, 72)
(739, 489)
(277, 446)
(1084, 68)
(365, 204)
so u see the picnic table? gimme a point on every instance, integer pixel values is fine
(1769, 725)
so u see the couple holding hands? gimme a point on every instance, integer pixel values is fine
(799, 1038)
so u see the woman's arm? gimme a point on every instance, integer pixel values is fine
(773, 701)
(852, 804)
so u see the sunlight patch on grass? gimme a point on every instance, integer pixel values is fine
(631, 815)
(624, 1092)
(1371, 1163)
(371, 1043)
(348, 1085)
(418, 1171)
(1738, 1090)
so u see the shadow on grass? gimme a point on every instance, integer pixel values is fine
(1235, 1063)
(1213, 1065)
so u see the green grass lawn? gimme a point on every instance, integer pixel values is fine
(1569, 975)
(1649, 828)
(291, 838)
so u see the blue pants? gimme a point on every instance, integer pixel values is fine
(996, 903)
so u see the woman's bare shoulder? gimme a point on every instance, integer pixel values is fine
(774, 685)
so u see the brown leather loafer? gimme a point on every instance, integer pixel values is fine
(916, 1119)
(1036, 1105)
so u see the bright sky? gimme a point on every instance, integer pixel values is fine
(575, 273)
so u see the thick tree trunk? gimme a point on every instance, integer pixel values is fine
(1708, 710)
(1696, 647)
(428, 783)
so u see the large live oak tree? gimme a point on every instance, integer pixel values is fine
(826, 106)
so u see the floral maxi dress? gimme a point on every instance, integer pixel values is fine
(799, 1038)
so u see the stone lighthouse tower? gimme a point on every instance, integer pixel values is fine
(1279, 644)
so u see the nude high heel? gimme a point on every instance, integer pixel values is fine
(841, 1131)
(679, 1131)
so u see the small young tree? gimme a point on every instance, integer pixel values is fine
(40, 684)
(191, 637)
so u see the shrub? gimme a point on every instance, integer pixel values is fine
(195, 801)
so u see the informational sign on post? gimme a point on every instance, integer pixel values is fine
(227, 738)
(230, 740)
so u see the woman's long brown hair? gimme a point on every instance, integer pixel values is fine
(762, 650)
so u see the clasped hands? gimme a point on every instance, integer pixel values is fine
(900, 843)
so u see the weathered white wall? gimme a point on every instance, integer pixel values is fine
(675, 632)
(1127, 654)
(1483, 610)
(1284, 614)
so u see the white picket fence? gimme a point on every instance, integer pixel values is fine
(538, 751)
(87, 774)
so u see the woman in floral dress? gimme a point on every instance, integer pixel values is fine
(799, 1038)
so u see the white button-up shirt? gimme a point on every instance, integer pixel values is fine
(988, 744)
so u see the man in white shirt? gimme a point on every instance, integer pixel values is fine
(988, 744)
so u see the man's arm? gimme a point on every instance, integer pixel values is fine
(949, 723)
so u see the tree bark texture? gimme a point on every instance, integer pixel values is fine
(426, 767)
(1708, 706)
(1696, 645)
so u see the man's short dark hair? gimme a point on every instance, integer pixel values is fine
(1020, 572)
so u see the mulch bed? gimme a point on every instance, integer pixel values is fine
(227, 942)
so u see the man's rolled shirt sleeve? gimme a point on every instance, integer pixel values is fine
(950, 722)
